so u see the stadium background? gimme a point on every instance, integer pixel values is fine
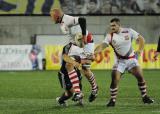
(28, 41)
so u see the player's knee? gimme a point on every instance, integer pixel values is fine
(140, 78)
(87, 72)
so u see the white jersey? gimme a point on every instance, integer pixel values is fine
(122, 41)
(70, 26)
(67, 22)
(122, 44)
(81, 52)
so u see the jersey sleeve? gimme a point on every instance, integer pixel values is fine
(71, 20)
(134, 34)
(107, 39)
(81, 22)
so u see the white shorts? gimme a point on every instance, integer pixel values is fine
(125, 64)
(82, 52)
(75, 50)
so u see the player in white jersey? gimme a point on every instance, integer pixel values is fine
(71, 83)
(121, 41)
(69, 26)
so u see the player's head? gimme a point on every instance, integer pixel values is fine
(56, 15)
(79, 40)
(115, 25)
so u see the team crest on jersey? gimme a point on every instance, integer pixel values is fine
(126, 37)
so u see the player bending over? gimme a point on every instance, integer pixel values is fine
(71, 25)
(72, 83)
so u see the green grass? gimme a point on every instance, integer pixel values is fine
(35, 93)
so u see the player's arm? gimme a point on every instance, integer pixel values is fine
(70, 60)
(67, 58)
(75, 62)
(100, 47)
(140, 40)
(82, 23)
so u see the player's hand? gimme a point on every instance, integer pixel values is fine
(138, 53)
(91, 57)
(76, 64)
(156, 55)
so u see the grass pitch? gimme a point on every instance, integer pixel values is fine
(35, 93)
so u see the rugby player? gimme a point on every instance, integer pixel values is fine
(71, 83)
(120, 40)
(70, 25)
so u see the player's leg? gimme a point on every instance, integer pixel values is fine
(118, 68)
(91, 79)
(78, 96)
(137, 72)
(66, 85)
(116, 75)
(73, 77)
(62, 99)
(88, 54)
(79, 99)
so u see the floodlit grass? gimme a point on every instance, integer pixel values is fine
(35, 93)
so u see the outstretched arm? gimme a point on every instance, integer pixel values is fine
(68, 59)
(100, 47)
(141, 43)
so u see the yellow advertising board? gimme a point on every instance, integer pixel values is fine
(53, 56)
(104, 60)
(146, 60)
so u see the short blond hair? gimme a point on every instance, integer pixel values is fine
(56, 10)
